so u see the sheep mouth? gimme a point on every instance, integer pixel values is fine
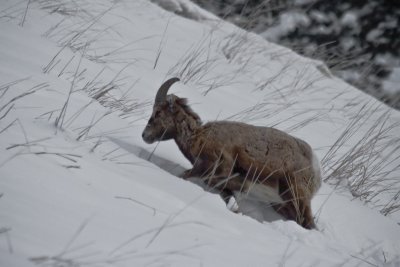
(147, 138)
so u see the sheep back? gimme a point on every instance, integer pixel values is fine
(257, 148)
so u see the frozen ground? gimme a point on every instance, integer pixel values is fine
(78, 186)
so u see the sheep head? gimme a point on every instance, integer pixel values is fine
(161, 125)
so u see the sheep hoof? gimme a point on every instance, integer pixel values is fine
(232, 205)
(186, 174)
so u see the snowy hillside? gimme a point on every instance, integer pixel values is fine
(79, 187)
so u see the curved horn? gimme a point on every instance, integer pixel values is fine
(162, 92)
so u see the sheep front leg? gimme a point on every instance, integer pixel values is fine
(186, 174)
(222, 178)
(224, 192)
(226, 186)
(216, 173)
(198, 170)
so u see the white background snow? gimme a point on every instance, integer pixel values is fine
(83, 192)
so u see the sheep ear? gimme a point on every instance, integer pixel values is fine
(170, 102)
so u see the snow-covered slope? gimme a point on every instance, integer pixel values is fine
(79, 187)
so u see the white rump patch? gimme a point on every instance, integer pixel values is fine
(317, 170)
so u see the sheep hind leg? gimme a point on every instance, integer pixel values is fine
(301, 202)
(299, 212)
(285, 210)
(308, 219)
(296, 206)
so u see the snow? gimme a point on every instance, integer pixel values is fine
(350, 19)
(91, 192)
(288, 22)
(391, 85)
(186, 9)
(374, 34)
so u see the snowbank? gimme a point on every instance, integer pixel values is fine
(79, 187)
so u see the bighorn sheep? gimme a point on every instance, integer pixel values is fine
(234, 156)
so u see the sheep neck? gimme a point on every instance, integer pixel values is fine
(186, 125)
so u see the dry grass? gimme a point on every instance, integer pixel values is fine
(198, 67)
(367, 165)
(8, 103)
